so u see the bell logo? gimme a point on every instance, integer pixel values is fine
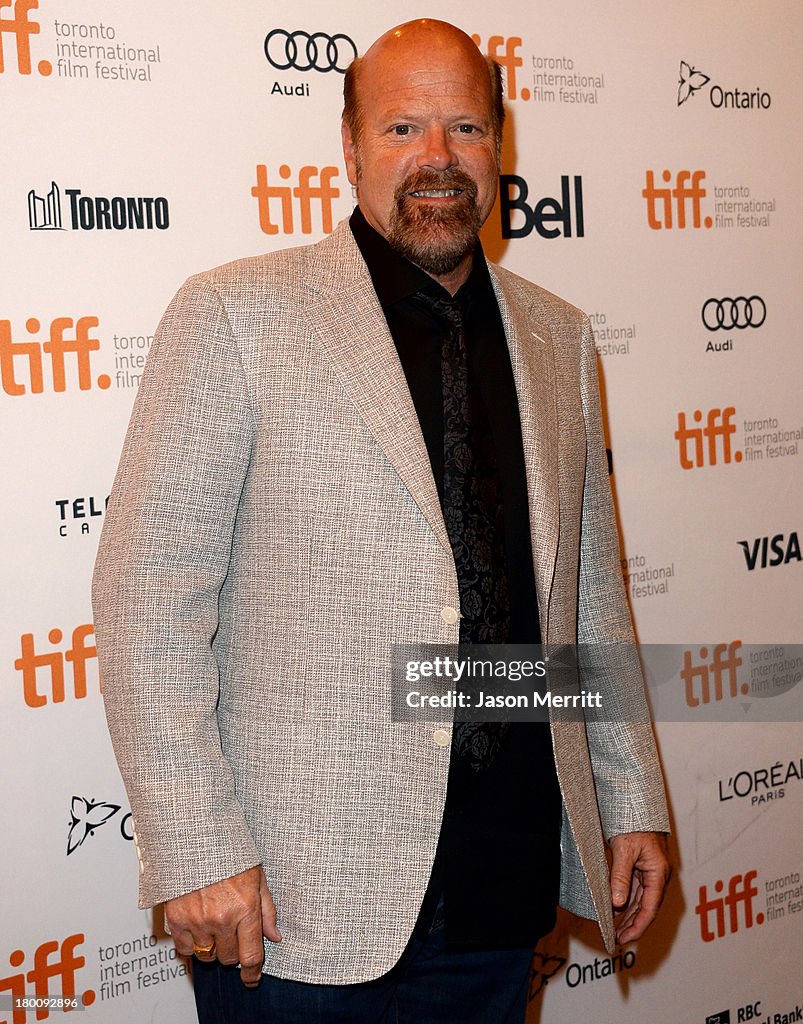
(693, 452)
(21, 28)
(769, 551)
(52, 977)
(711, 910)
(305, 192)
(57, 347)
(723, 665)
(506, 54)
(688, 188)
(566, 216)
(78, 655)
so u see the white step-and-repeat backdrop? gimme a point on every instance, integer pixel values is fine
(650, 176)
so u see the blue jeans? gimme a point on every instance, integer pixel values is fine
(429, 985)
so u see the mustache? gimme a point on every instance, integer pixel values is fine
(429, 180)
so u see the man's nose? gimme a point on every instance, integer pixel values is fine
(437, 150)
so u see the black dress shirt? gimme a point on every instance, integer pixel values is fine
(498, 859)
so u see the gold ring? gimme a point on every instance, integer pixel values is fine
(203, 950)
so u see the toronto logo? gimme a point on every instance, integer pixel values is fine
(96, 213)
(44, 212)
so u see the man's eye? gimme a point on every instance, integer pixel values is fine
(466, 129)
(401, 129)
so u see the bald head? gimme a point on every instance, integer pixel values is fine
(412, 43)
(421, 142)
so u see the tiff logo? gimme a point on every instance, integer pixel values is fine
(688, 188)
(723, 665)
(51, 663)
(719, 427)
(508, 60)
(305, 192)
(21, 28)
(741, 892)
(49, 978)
(44, 212)
(57, 347)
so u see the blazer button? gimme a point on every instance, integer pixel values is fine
(450, 615)
(442, 737)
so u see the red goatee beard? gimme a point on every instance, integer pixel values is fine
(435, 238)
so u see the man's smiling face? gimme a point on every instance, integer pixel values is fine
(425, 161)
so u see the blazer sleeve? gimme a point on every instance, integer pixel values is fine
(162, 559)
(627, 773)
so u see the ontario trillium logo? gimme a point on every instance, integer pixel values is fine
(86, 816)
(691, 80)
(543, 968)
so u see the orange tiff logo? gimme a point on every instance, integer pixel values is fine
(722, 667)
(305, 193)
(506, 54)
(33, 664)
(21, 28)
(719, 915)
(699, 446)
(22, 363)
(668, 207)
(53, 981)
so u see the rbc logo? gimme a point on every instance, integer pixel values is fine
(566, 213)
(305, 192)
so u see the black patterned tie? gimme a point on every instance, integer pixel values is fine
(474, 516)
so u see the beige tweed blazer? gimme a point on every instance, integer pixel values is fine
(274, 528)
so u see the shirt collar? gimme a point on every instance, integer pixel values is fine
(395, 278)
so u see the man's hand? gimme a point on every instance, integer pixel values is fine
(230, 917)
(639, 874)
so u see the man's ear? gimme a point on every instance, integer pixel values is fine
(349, 152)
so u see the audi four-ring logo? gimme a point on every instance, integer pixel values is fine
(303, 51)
(739, 313)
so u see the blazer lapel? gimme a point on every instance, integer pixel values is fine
(348, 320)
(350, 324)
(532, 359)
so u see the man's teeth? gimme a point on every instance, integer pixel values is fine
(438, 193)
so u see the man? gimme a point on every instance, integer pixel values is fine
(369, 441)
